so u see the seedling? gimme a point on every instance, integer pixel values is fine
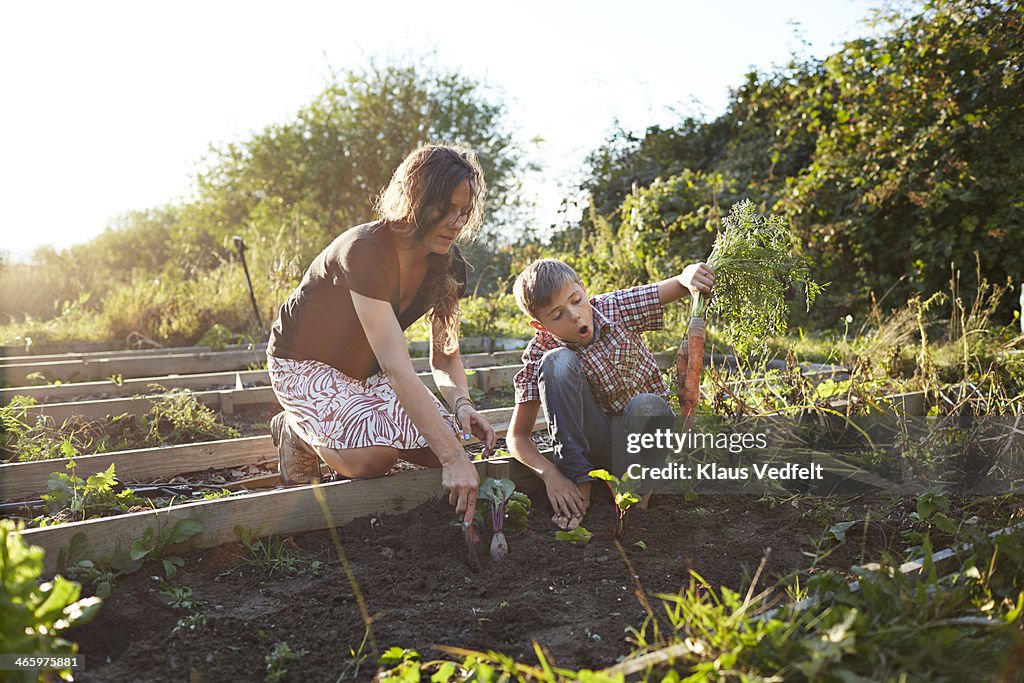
(279, 659)
(622, 493)
(272, 554)
(506, 505)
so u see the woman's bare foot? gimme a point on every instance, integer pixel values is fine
(570, 522)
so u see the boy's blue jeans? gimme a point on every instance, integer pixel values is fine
(585, 438)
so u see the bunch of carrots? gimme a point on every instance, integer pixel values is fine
(755, 259)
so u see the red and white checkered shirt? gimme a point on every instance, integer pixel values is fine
(617, 365)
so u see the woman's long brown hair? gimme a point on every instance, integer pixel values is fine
(420, 187)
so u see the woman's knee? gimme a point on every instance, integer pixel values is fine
(360, 463)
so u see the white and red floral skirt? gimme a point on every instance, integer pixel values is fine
(330, 409)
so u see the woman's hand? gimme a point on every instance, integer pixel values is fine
(460, 479)
(472, 422)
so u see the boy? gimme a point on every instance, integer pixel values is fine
(587, 366)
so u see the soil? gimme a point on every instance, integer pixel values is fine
(577, 601)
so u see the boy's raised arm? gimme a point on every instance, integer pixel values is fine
(696, 277)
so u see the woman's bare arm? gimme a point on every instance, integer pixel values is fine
(385, 336)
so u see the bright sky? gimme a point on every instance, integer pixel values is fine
(107, 106)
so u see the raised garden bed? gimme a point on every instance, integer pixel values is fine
(577, 601)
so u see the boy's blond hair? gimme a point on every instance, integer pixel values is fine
(539, 282)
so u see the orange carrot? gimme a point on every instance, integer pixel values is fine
(682, 358)
(696, 336)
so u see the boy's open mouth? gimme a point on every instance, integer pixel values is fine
(584, 329)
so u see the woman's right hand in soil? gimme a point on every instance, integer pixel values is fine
(566, 500)
(459, 477)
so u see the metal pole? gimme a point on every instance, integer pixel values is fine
(240, 246)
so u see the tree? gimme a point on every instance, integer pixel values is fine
(892, 157)
(336, 155)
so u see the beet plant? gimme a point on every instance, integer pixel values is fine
(508, 510)
(622, 491)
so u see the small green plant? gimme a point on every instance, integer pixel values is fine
(34, 613)
(155, 546)
(180, 597)
(272, 554)
(507, 508)
(278, 660)
(177, 418)
(79, 562)
(71, 499)
(622, 491)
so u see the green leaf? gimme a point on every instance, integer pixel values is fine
(944, 523)
(62, 592)
(604, 475)
(577, 535)
(396, 655)
(184, 530)
(839, 530)
(496, 490)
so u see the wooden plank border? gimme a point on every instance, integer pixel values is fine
(280, 512)
(24, 479)
(201, 381)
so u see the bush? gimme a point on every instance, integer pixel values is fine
(36, 613)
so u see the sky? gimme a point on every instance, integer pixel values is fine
(108, 107)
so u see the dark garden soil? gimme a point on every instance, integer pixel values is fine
(577, 601)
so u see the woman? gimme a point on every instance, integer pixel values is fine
(337, 356)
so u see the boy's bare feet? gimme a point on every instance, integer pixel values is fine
(570, 522)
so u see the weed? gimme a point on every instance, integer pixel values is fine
(175, 418)
(180, 597)
(190, 622)
(71, 499)
(78, 561)
(278, 660)
(35, 613)
(272, 554)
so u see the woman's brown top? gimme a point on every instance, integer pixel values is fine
(318, 321)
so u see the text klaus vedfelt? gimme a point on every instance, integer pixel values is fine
(665, 439)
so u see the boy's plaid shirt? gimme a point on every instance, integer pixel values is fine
(617, 365)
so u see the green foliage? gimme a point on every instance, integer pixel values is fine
(623, 493)
(81, 562)
(273, 555)
(755, 261)
(35, 614)
(69, 498)
(175, 417)
(278, 660)
(924, 626)
(180, 597)
(501, 508)
(888, 158)
(576, 535)
(622, 489)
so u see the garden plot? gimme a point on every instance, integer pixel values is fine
(581, 603)
(244, 561)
